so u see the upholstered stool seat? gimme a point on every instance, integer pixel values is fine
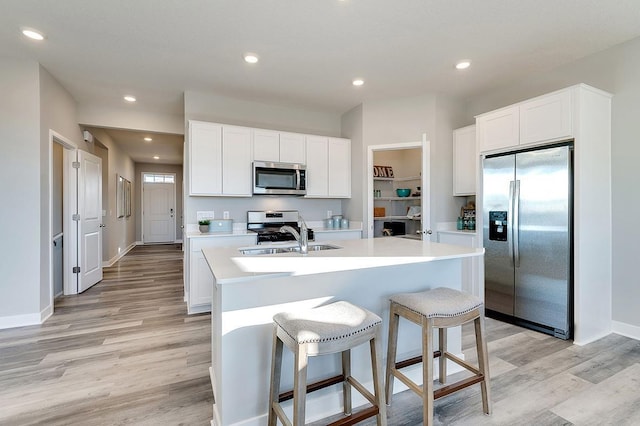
(439, 308)
(329, 329)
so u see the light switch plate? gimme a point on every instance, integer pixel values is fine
(202, 215)
(225, 215)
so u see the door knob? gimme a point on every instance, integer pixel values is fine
(102, 225)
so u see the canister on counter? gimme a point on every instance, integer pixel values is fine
(344, 223)
(337, 219)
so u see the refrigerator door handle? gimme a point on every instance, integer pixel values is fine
(516, 225)
(510, 222)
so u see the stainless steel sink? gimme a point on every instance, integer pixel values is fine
(275, 250)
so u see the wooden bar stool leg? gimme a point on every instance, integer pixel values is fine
(483, 363)
(392, 343)
(442, 347)
(300, 385)
(427, 371)
(376, 369)
(346, 386)
(276, 370)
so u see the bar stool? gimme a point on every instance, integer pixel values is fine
(438, 308)
(328, 329)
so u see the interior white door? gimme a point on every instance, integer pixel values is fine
(90, 221)
(159, 212)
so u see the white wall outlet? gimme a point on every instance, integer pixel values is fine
(225, 215)
(329, 213)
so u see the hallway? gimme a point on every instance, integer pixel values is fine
(123, 352)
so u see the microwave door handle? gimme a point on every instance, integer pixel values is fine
(298, 179)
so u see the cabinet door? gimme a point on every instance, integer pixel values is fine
(205, 158)
(201, 285)
(236, 161)
(317, 166)
(339, 168)
(266, 145)
(292, 148)
(464, 161)
(470, 265)
(499, 129)
(546, 118)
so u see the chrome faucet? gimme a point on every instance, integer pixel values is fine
(302, 237)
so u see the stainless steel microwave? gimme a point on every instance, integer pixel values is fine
(279, 178)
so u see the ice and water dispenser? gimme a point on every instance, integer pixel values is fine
(498, 225)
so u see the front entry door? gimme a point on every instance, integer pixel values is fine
(90, 221)
(159, 212)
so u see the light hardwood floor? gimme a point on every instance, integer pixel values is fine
(126, 353)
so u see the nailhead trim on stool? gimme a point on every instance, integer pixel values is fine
(328, 329)
(439, 308)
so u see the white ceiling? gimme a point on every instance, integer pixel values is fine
(309, 50)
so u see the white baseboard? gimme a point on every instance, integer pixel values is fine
(20, 320)
(119, 256)
(624, 329)
(46, 313)
(139, 243)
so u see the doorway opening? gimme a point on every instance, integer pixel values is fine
(399, 213)
(158, 208)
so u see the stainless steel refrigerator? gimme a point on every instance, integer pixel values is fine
(527, 220)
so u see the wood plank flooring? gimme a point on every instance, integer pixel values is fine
(126, 353)
(123, 352)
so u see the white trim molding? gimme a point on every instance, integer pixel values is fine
(20, 320)
(114, 259)
(624, 329)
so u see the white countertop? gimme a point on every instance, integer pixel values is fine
(228, 265)
(351, 228)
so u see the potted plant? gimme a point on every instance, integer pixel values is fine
(204, 225)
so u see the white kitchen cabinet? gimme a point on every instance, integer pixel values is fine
(236, 161)
(541, 119)
(219, 160)
(200, 281)
(328, 167)
(205, 159)
(270, 145)
(470, 265)
(317, 167)
(339, 173)
(292, 148)
(464, 161)
(499, 129)
(546, 118)
(266, 145)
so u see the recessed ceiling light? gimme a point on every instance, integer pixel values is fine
(32, 34)
(251, 58)
(130, 98)
(148, 139)
(358, 82)
(464, 64)
(155, 157)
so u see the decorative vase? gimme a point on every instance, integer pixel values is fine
(204, 228)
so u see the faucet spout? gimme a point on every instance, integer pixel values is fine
(301, 237)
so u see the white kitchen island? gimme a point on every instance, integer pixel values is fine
(249, 290)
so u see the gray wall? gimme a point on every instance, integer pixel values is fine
(160, 168)
(220, 109)
(119, 232)
(405, 120)
(615, 70)
(20, 182)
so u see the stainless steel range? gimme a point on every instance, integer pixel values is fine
(267, 225)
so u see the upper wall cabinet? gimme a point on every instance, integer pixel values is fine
(464, 161)
(219, 160)
(546, 118)
(541, 119)
(499, 129)
(328, 167)
(270, 145)
(205, 158)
